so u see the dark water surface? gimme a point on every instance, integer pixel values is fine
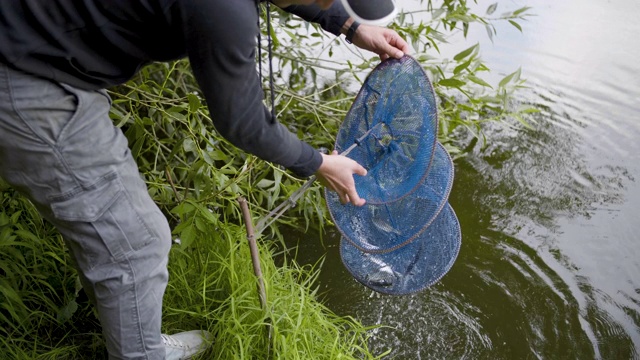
(550, 260)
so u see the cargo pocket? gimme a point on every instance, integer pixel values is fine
(100, 223)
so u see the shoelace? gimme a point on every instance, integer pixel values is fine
(167, 340)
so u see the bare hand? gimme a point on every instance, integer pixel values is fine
(336, 173)
(382, 41)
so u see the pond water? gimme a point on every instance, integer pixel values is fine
(550, 259)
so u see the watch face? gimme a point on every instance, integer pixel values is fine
(373, 12)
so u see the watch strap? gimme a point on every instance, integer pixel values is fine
(352, 31)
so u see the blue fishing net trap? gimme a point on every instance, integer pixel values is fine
(407, 236)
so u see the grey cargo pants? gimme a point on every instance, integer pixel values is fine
(59, 148)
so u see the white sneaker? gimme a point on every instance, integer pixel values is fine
(186, 344)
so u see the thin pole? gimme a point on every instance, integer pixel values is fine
(255, 258)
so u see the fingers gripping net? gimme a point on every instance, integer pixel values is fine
(381, 228)
(407, 236)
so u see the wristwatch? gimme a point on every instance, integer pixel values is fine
(351, 31)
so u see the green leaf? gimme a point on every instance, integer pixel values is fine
(517, 26)
(201, 224)
(217, 155)
(490, 31)
(187, 236)
(10, 294)
(464, 53)
(123, 120)
(462, 66)
(66, 312)
(523, 121)
(438, 37)
(189, 145)
(6, 237)
(207, 158)
(479, 81)
(265, 183)
(529, 110)
(210, 217)
(437, 12)
(194, 103)
(137, 147)
(455, 83)
(513, 76)
(492, 8)
(15, 216)
(183, 208)
(26, 235)
(178, 229)
(146, 121)
(482, 67)
(521, 10)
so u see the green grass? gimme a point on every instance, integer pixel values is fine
(45, 315)
(213, 285)
(42, 312)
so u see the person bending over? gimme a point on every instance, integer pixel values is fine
(59, 147)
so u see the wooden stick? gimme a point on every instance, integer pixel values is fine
(175, 191)
(255, 258)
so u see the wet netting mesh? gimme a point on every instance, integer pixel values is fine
(406, 237)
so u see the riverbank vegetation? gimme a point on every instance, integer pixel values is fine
(196, 177)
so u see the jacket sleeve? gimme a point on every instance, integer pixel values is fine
(330, 20)
(221, 42)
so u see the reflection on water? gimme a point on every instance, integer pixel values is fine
(550, 260)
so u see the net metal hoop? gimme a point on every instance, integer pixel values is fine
(348, 218)
(411, 268)
(406, 237)
(415, 126)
